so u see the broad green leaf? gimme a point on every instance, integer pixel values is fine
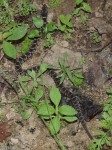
(70, 119)
(25, 115)
(38, 22)
(6, 34)
(78, 81)
(86, 7)
(51, 27)
(78, 2)
(42, 69)
(55, 95)
(9, 49)
(38, 94)
(67, 18)
(69, 24)
(76, 12)
(18, 32)
(45, 110)
(67, 110)
(62, 28)
(62, 18)
(54, 125)
(34, 34)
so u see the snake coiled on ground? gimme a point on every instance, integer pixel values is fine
(74, 98)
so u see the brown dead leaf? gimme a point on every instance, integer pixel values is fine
(4, 131)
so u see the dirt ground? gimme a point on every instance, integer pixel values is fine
(32, 134)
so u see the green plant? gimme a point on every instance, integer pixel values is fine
(104, 136)
(47, 31)
(96, 37)
(55, 3)
(6, 12)
(80, 9)
(74, 75)
(33, 93)
(25, 7)
(9, 9)
(66, 25)
(13, 34)
(49, 110)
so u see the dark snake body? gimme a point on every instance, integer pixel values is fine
(74, 99)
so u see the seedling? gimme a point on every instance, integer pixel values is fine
(34, 92)
(66, 25)
(104, 136)
(80, 9)
(96, 37)
(76, 77)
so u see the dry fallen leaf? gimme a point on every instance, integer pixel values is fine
(4, 131)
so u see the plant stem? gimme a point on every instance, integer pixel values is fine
(56, 137)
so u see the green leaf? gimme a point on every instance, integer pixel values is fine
(86, 7)
(70, 119)
(38, 22)
(62, 28)
(50, 27)
(109, 91)
(78, 2)
(42, 69)
(55, 95)
(38, 94)
(34, 34)
(9, 49)
(32, 74)
(69, 74)
(78, 81)
(45, 109)
(54, 125)
(18, 32)
(67, 110)
(62, 18)
(24, 79)
(79, 75)
(25, 115)
(76, 12)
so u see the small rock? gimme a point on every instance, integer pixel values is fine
(69, 144)
(64, 43)
(14, 141)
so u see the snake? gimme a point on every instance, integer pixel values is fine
(74, 98)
